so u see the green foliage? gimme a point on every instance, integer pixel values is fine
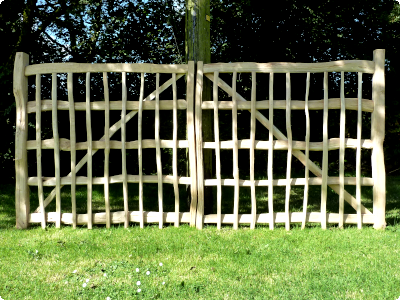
(153, 32)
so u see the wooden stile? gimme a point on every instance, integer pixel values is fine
(20, 89)
(72, 133)
(123, 151)
(217, 152)
(140, 151)
(56, 149)
(377, 136)
(199, 152)
(175, 150)
(306, 176)
(324, 187)
(341, 151)
(107, 150)
(158, 151)
(190, 117)
(289, 155)
(270, 153)
(39, 148)
(252, 146)
(235, 154)
(358, 153)
(89, 153)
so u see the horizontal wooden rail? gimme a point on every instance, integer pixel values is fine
(364, 66)
(100, 105)
(333, 144)
(295, 217)
(293, 181)
(65, 144)
(99, 68)
(82, 180)
(115, 217)
(334, 103)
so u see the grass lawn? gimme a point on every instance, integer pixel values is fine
(210, 264)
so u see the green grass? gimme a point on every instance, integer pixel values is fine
(207, 264)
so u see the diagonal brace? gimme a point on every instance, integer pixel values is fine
(297, 153)
(113, 129)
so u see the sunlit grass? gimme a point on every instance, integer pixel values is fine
(206, 264)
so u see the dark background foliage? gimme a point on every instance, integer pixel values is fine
(153, 31)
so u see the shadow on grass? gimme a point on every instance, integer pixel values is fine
(150, 200)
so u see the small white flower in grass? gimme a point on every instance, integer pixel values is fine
(74, 271)
(137, 269)
(138, 283)
(37, 251)
(163, 282)
(148, 273)
(130, 255)
(139, 290)
(87, 280)
(161, 264)
(105, 275)
(84, 285)
(108, 298)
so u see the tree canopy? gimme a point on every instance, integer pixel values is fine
(154, 31)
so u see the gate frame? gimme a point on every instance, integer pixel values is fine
(22, 70)
(197, 217)
(364, 216)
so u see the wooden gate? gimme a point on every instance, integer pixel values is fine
(195, 144)
(21, 72)
(294, 148)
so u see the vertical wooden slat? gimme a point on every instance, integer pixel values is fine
(271, 153)
(175, 150)
(72, 133)
(358, 154)
(20, 89)
(289, 155)
(140, 150)
(217, 150)
(324, 186)
(89, 153)
(377, 136)
(107, 150)
(199, 149)
(56, 148)
(235, 154)
(190, 123)
(123, 150)
(341, 150)
(39, 148)
(252, 147)
(158, 152)
(307, 112)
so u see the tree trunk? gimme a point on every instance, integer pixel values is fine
(197, 46)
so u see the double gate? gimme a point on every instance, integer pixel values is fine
(261, 113)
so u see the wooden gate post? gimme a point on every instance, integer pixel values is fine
(377, 136)
(20, 88)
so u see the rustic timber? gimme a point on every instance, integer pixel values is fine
(377, 136)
